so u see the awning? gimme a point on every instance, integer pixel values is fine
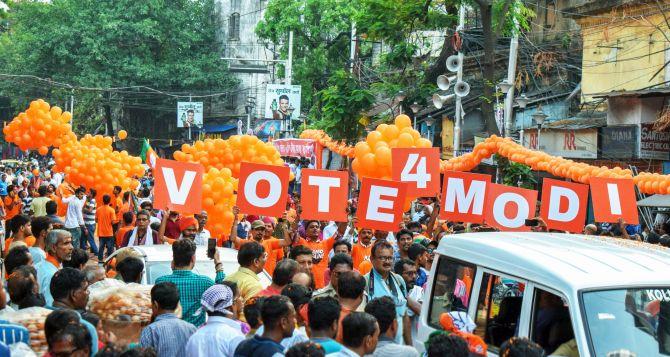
(641, 93)
(655, 201)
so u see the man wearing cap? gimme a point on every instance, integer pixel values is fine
(261, 232)
(221, 334)
(188, 228)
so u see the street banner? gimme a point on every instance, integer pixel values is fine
(380, 204)
(282, 101)
(178, 186)
(508, 208)
(463, 196)
(263, 189)
(419, 168)
(189, 114)
(564, 205)
(614, 199)
(654, 144)
(324, 195)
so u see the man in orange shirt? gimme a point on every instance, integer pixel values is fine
(115, 203)
(20, 227)
(13, 205)
(362, 250)
(128, 220)
(259, 233)
(105, 216)
(320, 248)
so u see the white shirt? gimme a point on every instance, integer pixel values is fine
(214, 338)
(75, 216)
(202, 237)
(57, 179)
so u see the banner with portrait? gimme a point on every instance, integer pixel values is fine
(282, 102)
(189, 114)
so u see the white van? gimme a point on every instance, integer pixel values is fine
(592, 293)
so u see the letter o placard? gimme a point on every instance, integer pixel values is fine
(263, 189)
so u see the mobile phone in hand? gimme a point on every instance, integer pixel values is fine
(532, 222)
(211, 248)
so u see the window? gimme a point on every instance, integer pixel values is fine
(498, 309)
(234, 27)
(452, 287)
(551, 327)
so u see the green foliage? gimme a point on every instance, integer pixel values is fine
(168, 45)
(515, 174)
(516, 12)
(342, 101)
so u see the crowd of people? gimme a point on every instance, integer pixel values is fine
(336, 289)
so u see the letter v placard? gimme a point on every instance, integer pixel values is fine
(178, 186)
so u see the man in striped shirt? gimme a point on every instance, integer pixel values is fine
(89, 222)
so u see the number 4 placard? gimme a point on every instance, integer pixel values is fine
(419, 168)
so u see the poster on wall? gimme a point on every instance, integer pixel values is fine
(189, 114)
(580, 144)
(268, 129)
(282, 101)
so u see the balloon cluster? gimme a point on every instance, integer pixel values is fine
(219, 153)
(325, 140)
(373, 156)
(92, 163)
(218, 193)
(40, 127)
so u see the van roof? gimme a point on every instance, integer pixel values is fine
(563, 261)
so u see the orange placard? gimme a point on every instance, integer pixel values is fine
(178, 186)
(507, 208)
(463, 196)
(419, 168)
(614, 199)
(380, 204)
(263, 189)
(564, 205)
(324, 195)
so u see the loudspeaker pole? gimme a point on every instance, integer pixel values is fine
(459, 77)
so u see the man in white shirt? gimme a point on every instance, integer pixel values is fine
(56, 178)
(203, 234)
(74, 219)
(221, 334)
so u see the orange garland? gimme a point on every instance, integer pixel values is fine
(324, 139)
(647, 183)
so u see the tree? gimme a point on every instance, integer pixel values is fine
(342, 102)
(168, 46)
(498, 17)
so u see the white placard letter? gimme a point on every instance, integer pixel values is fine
(421, 177)
(615, 201)
(178, 195)
(456, 196)
(251, 185)
(324, 184)
(555, 213)
(521, 214)
(375, 202)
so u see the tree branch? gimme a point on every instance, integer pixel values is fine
(502, 17)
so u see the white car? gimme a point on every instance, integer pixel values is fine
(158, 260)
(586, 294)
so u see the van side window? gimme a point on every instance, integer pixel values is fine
(551, 327)
(452, 287)
(498, 309)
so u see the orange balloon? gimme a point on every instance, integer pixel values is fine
(373, 138)
(391, 132)
(43, 150)
(122, 134)
(424, 143)
(403, 121)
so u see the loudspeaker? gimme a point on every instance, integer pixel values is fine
(444, 82)
(440, 100)
(453, 63)
(462, 89)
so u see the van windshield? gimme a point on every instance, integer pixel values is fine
(634, 319)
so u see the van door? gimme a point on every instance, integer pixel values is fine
(498, 315)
